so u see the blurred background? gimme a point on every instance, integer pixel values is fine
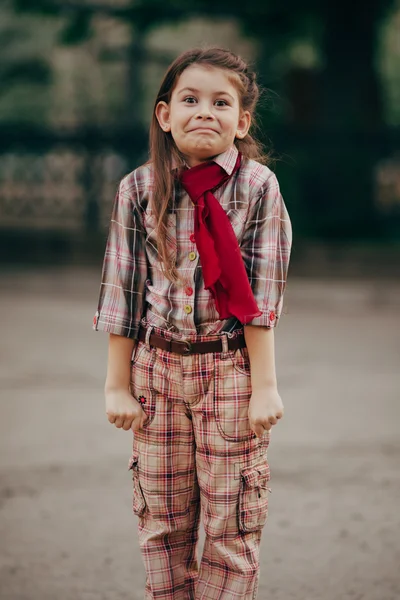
(77, 85)
(78, 82)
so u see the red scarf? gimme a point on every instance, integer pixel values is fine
(223, 267)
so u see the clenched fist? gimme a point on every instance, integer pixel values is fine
(124, 411)
(265, 410)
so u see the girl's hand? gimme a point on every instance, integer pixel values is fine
(124, 411)
(265, 409)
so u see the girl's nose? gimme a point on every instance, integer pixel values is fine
(204, 112)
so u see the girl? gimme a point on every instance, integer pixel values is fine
(192, 285)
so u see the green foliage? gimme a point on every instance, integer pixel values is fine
(29, 71)
(78, 29)
(45, 7)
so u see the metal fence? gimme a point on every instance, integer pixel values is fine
(55, 182)
(64, 184)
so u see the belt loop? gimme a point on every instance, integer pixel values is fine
(148, 334)
(224, 339)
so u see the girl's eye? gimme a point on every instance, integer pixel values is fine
(190, 100)
(221, 103)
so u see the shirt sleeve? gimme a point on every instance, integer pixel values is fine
(122, 289)
(266, 250)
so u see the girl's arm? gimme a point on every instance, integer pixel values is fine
(119, 363)
(265, 406)
(265, 250)
(260, 344)
(121, 408)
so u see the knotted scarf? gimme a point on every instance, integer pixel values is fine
(224, 271)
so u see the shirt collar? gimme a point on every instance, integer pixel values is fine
(226, 160)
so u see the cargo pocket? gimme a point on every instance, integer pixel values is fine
(139, 503)
(253, 497)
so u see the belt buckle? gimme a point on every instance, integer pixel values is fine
(188, 348)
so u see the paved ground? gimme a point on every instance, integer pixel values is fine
(66, 527)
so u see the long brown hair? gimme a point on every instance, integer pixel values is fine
(163, 151)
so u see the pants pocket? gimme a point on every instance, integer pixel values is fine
(139, 348)
(231, 401)
(241, 361)
(142, 381)
(253, 497)
(139, 503)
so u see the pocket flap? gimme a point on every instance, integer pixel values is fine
(257, 476)
(133, 461)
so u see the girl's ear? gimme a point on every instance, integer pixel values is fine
(243, 125)
(163, 116)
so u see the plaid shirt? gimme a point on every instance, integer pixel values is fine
(133, 286)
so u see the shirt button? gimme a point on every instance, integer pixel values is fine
(192, 255)
(188, 309)
(192, 238)
(272, 316)
(188, 291)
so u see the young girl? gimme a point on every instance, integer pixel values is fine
(192, 285)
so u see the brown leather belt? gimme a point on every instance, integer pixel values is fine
(185, 348)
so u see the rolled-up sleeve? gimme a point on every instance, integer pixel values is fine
(124, 273)
(266, 247)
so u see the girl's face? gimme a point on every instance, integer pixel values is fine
(204, 114)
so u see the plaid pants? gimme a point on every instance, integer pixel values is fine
(197, 452)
